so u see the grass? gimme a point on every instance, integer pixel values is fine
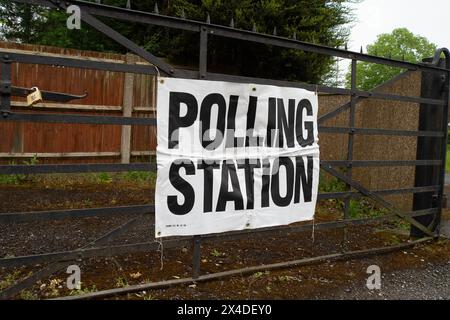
(121, 282)
(16, 179)
(364, 209)
(447, 163)
(137, 177)
(358, 208)
(216, 253)
(77, 292)
(330, 184)
(10, 279)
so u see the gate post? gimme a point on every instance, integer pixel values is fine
(5, 86)
(434, 85)
(127, 111)
(350, 142)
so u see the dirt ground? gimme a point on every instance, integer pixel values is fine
(332, 279)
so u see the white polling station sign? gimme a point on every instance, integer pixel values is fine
(234, 156)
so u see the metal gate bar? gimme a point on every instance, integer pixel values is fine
(52, 268)
(150, 70)
(377, 198)
(53, 215)
(350, 140)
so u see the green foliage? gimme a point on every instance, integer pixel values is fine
(358, 208)
(28, 295)
(314, 21)
(330, 184)
(39, 25)
(318, 21)
(17, 179)
(19, 22)
(104, 177)
(362, 208)
(12, 179)
(401, 44)
(447, 160)
(121, 282)
(10, 279)
(216, 253)
(32, 162)
(82, 291)
(140, 176)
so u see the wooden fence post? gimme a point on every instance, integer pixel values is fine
(127, 110)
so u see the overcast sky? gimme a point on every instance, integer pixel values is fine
(430, 19)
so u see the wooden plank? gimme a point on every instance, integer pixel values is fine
(143, 153)
(48, 54)
(58, 154)
(145, 109)
(127, 111)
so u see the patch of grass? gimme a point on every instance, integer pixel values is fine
(330, 184)
(358, 208)
(28, 295)
(402, 225)
(121, 282)
(68, 181)
(81, 291)
(139, 176)
(363, 208)
(289, 278)
(17, 179)
(12, 179)
(104, 178)
(10, 279)
(215, 253)
(447, 163)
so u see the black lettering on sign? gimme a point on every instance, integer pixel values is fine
(205, 121)
(249, 165)
(182, 186)
(309, 125)
(303, 179)
(235, 195)
(251, 140)
(265, 183)
(176, 121)
(208, 178)
(286, 126)
(271, 122)
(275, 189)
(232, 140)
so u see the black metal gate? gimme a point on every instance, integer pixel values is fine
(430, 162)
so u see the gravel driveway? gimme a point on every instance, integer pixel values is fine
(429, 283)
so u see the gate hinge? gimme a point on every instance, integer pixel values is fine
(5, 87)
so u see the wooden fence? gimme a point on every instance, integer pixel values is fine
(111, 93)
